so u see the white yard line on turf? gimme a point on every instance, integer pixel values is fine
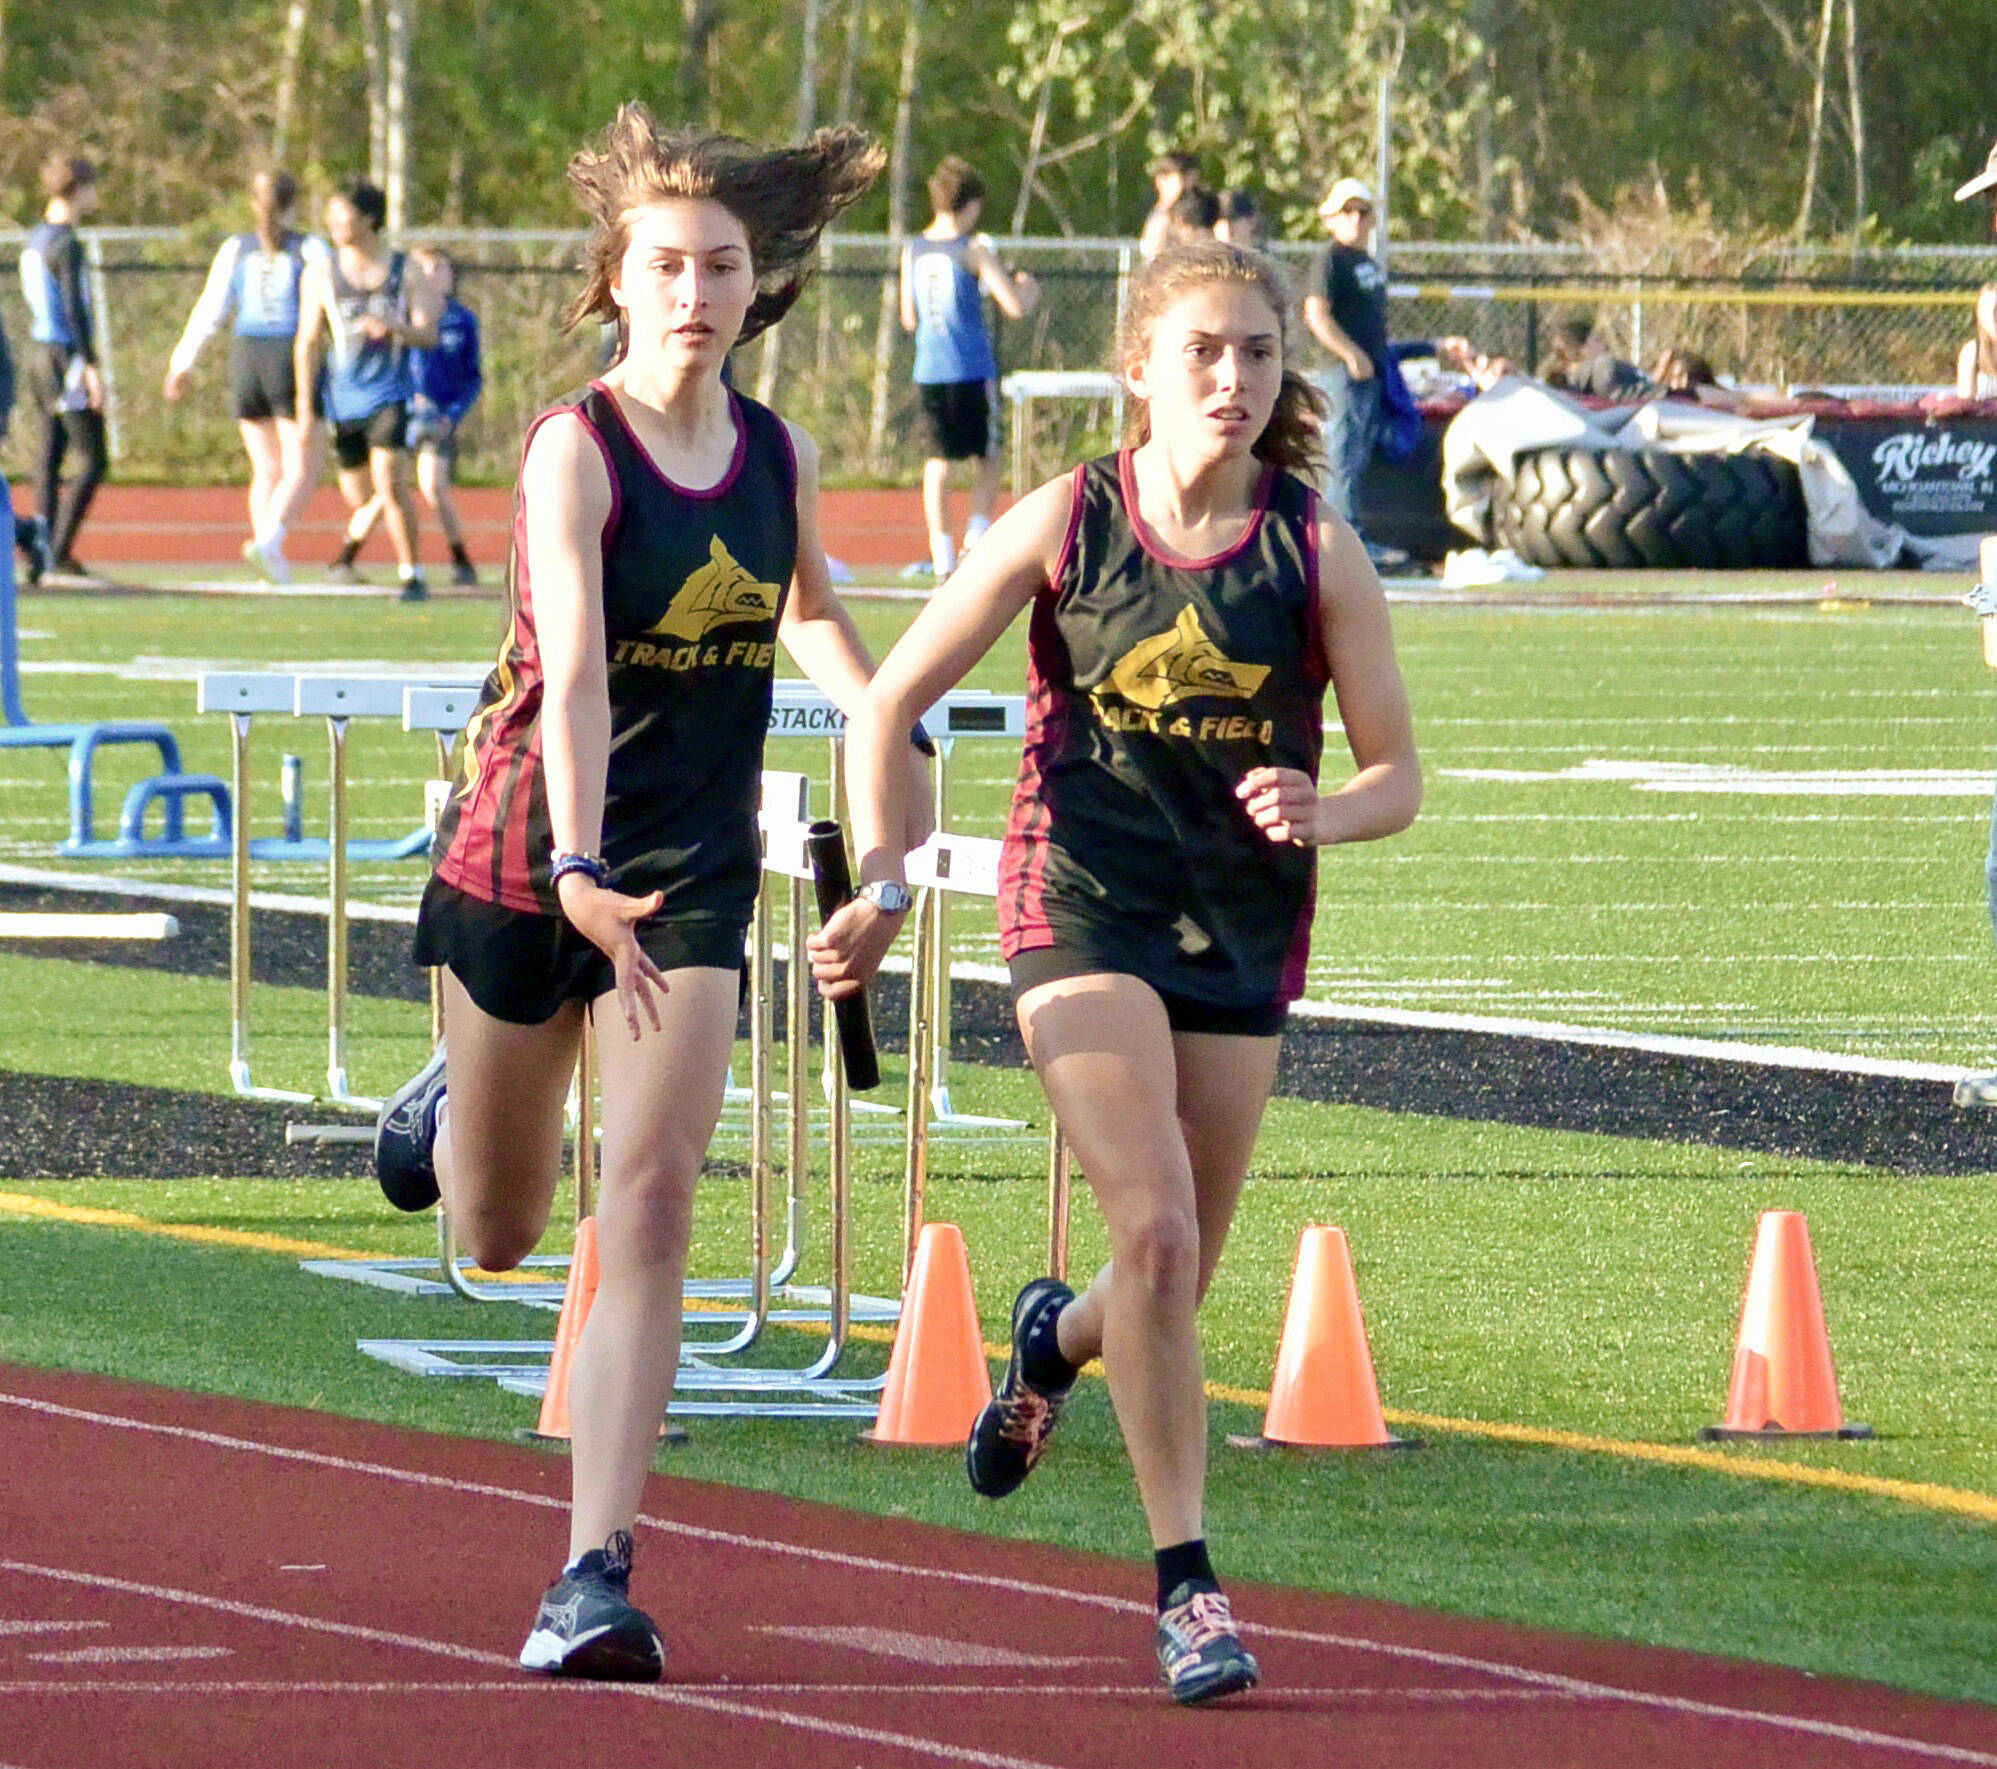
(1779, 1056)
(665, 1694)
(756, 1545)
(107, 884)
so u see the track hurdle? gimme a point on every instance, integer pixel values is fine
(243, 695)
(800, 709)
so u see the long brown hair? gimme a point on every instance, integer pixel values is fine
(783, 197)
(1293, 439)
(272, 196)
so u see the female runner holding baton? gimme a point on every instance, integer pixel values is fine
(601, 839)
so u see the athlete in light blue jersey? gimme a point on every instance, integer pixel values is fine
(64, 380)
(376, 307)
(257, 279)
(946, 272)
(447, 378)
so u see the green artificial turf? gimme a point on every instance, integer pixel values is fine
(1578, 1283)
(1842, 920)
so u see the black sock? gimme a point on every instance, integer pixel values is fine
(1040, 1359)
(1183, 1563)
(350, 550)
(458, 554)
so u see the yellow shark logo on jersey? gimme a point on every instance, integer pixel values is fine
(719, 594)
(1183, 664)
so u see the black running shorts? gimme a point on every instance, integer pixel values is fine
(263, 383)
(1049, 964)
(962, 419)
(521, 968)
(356, 438)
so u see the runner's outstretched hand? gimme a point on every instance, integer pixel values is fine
(609, 920)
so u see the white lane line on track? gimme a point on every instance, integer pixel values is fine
(14, 1630)
(129, 1655)
(665, 1694)
(1794, 1723)
(928, 1649)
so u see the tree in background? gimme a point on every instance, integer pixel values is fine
(1505, 109)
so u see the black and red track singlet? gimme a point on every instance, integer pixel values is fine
(693, 586)
(1155, 684)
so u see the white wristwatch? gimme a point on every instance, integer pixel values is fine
(888, 896)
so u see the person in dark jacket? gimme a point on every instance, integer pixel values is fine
(64, 379)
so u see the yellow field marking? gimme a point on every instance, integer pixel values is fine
(1924, 1495)
(19, 1204)
(1963, 1501)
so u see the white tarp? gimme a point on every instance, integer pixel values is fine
(1517, 415)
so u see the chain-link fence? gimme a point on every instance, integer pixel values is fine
(1786, 318)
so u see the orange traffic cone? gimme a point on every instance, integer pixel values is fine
(1784, 1384)
(1324, 1396)
(577, 1297)
(938, 1380)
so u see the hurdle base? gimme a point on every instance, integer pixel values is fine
(1253, 1441)
(1778, 1434)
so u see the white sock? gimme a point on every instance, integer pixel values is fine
(942, 555)
(974, 531)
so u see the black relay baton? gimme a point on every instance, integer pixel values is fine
(825, 847)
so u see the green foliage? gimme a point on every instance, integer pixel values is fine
(1503, 113)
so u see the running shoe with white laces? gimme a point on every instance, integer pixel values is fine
(1011, 1434)
(1199, 1651)
(587, 1625)
(405, 1138)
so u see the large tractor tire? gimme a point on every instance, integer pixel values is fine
(1637, 508)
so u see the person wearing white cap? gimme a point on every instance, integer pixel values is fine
(1346, 311)
(1986, 180)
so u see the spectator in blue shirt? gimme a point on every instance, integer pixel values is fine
(448, 380)
(946, 271)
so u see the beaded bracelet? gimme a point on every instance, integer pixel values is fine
(589, 865)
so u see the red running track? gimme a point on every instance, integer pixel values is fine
(207, 525)
(187, 1580)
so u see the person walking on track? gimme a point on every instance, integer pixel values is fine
(599, 856)
(257, 277)
(447, 379)
(1192, 600)
(65, 380)
(376, 307)
(946, 270)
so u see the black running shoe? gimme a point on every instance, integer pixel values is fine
(414, 589)
(464, 572)
(1199, 1651)
(31, 535)
(405, 1138)
(1011, 1434)
(588, 1627)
